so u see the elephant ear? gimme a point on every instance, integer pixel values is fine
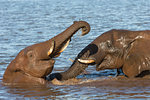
(129, 44)
(137, 58)
(109, 44)
(133, 42)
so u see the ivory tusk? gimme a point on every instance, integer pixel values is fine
(86, 61)
(51, 48)
(65, 46)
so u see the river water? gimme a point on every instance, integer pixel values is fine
(26, 22)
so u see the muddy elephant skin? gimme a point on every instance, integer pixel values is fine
(35, 62)
(114, 49)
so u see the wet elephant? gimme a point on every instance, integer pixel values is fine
(114, 49)
(35, 62)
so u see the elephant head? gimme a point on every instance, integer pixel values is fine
(112, 50)
(35, 62)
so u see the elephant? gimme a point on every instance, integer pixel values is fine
(115, 49)
(35, 62)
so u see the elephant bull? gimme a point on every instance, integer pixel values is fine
(35, 62)
(113, 49)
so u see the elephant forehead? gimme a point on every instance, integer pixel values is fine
(102, 45)
(21, 57)
(122, 41)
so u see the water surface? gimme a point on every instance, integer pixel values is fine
(25, 22)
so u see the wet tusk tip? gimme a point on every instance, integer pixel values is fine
(51, 48)
(65, 46)
(48, 53)
(86, 61)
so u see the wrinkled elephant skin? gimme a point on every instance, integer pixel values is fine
(35, 62)
(114, 49)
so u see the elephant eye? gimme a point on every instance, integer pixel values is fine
(109, 44)
(30, 54)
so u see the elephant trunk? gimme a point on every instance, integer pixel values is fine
(75, 69)
(53, 47)
(66, 35)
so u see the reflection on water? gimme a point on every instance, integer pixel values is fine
(25, 22)
(36, 92)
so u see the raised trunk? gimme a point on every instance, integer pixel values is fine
(63, 37)
(60, 40)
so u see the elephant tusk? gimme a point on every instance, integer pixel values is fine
(86, 61)
(65, 46)
(51, 48)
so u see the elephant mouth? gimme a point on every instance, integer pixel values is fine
(61, 48)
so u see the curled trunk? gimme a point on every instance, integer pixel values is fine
(61, 39)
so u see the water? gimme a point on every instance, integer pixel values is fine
(25, 22)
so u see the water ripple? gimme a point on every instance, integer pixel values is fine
(25, 22)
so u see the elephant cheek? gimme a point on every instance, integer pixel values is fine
(41, 68)
(98, 57)
(48, 71)
(47, 68)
